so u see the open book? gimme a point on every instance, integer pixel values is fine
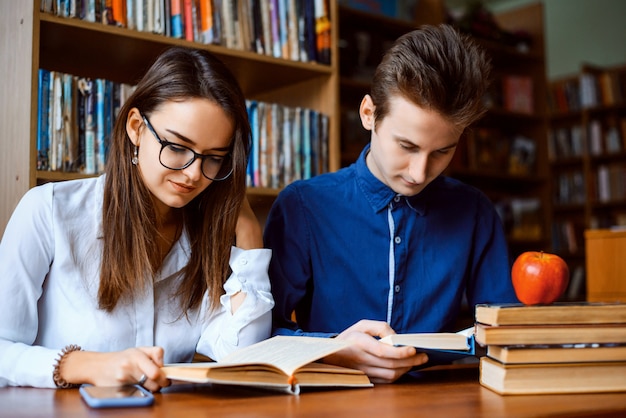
(441, 347)
(283, 363)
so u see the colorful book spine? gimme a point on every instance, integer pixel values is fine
(90, 126)
(283, 32)
(206, 21)
(322, 31)
(43, 125)
(99, 144)
(176, 10)
(68, 154)
(188, 19)
(275, 28)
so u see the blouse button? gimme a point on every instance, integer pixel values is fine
(243, 262)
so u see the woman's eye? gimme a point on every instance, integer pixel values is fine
(178, 148)
(216, 159)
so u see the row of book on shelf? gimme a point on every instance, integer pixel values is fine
(610, 183)
(568, 235)
(512, 93)
(521, 217)
(76, 117)
(569, 187)
(497, 150)
(601, 138)
(594, 87)
(297, 30)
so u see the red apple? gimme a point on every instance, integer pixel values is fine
(539, 278)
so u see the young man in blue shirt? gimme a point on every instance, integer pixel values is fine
(388, 244)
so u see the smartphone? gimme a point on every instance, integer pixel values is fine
(116, 396)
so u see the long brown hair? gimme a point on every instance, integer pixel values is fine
(129, 216)
(436, 68)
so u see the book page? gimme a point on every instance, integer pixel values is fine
(433, 340)
(288, 353)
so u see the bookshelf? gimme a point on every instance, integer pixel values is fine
(505, 153)
(587, 152)
(33, 40)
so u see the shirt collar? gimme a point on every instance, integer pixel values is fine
(379, 194)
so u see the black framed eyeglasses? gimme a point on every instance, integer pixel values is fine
(178, 157)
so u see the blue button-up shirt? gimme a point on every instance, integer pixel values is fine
(346, 247)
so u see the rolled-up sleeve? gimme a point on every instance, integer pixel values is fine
(252, 322)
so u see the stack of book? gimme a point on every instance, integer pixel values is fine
(576, 347)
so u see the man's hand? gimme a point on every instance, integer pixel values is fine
(381, 362)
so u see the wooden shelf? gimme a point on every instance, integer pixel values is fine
(87, 49)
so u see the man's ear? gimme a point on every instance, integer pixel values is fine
(134, 122)
(366, 112)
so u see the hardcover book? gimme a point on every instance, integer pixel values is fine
(550, 334)
(525, 379)
(282, 363)
(564, 353)
(441, 347)
(555, 313)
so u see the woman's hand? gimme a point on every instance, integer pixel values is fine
(381, 362)
(248, 231)
(116, 368)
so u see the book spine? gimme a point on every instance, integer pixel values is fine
(188, 19)
(90, 127)
(118, 9)
(257, 21)
(292, 30)
(131, 19)
(275, 28)
(322, 31)
(140, 15)
(68, 154)
(43, 126)
(56, 143)
(267, 27)
(206, 21)
(283, 32)
(100, 117)
(158, 19)
(256, 138)
(80, 124)
(177, 18)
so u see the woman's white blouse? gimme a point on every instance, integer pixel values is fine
(49, 274)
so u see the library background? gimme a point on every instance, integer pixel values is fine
(550, 153)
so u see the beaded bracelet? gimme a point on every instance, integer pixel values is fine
(56, 374)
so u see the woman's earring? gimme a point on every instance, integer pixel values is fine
(135, 159)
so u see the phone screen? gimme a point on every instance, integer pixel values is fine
(104, 392)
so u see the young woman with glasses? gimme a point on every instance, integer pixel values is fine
(106, 279)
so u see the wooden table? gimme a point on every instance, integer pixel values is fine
(448, 392)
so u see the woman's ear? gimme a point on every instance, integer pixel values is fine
(366, 112)
(134, 122)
